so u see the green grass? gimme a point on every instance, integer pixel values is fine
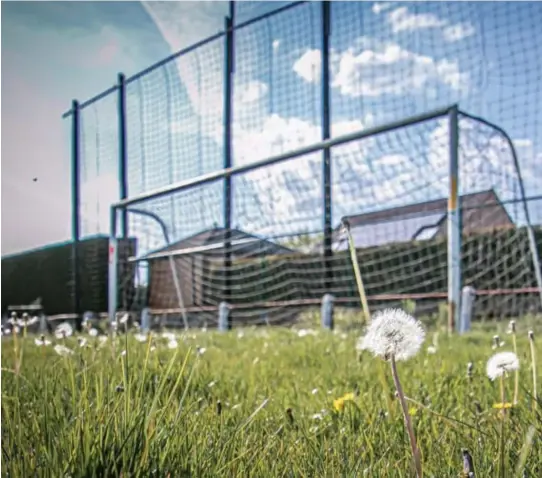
(149, 413)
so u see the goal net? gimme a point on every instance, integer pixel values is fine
(393, 187)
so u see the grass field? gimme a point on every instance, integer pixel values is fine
(258, 403)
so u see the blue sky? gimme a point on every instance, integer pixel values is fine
(389, 60)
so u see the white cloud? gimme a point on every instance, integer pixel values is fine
(387, 68)
(458, 32)
(251, 92)
(379, 7)
(401, 19)
(485, 159)
(288, 191)
(308, 66)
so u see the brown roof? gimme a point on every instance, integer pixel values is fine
(479, 211)
(468, 202)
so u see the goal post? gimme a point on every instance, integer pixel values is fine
(478, 192)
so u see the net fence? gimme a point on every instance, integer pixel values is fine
(387, 62)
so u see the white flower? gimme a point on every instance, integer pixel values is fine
(42, 341)
(93, 332)
(63, 351)
(140, 337)
(501, 363)
(431, 349)
(63, 330)
(172, 344)
(393, 332)
(305, 332)
(82, 342)
(200, 350)
(124, 318)
(168, 336)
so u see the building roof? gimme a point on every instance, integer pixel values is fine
(243, 244)
(421, 221)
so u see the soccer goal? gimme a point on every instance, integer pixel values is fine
(435, 203)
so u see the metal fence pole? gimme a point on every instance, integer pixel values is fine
(228, 117)
(454, 223)
(326, 162)
(123, 155)
(76, 216)
(112, 296)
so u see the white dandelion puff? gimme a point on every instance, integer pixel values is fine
(200, 350)
(63, 351)
(168, 336)
(63, 330)
(393, 332)
(140, 337)
(102, 339)
(502, 363)
(172, 344)
(93, 332)
(42, 341)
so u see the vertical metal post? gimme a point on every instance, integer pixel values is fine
(112, 299)
(76, 216)
(123, 154)
(326, 134)
(228, 116)
(454, 224)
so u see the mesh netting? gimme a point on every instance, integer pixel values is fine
(387, 62)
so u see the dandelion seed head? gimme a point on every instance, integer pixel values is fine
(393, 332)
(63, 350)
(501, 363)
(531, 335)
(93, 332)
(512, 327)
(63, 330)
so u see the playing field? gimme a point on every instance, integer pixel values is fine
(262, 402)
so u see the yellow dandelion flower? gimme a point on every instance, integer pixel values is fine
(500, 406)
(338, 404)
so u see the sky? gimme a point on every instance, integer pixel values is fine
(388, 61)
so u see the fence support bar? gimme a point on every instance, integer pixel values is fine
(454, 223)
(326, 159)
(123, 154)
(228, 118)
(76, 204)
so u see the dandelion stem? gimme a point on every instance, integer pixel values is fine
(408, 420)
(501, 447)
(533, 366)
(516, 373)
